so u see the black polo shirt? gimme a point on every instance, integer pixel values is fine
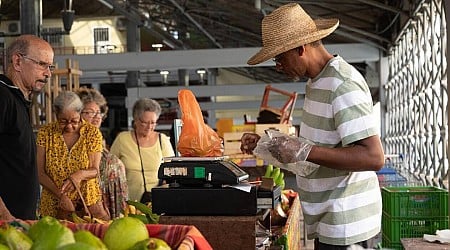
(19, 185)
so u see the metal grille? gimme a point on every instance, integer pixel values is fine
(53, 35)
(416, 97)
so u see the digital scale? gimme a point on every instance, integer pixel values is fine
(204, 186)
(197, 171)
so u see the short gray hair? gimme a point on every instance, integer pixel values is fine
(22, 44)
(67, 100)
(146, 105)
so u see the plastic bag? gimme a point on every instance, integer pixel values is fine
(197, 139)
(264, 151)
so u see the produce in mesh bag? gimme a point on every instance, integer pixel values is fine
(286, 152)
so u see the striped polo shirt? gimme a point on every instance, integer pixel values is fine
(339, 207)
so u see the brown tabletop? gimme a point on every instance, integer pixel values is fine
(421, 244)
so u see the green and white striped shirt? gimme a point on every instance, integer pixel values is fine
(339, 207)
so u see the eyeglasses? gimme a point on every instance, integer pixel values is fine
(92, 114)
(41, 64)
(150, 123)
(277, 59)
(63, 122)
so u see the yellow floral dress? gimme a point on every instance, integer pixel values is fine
(60, 163)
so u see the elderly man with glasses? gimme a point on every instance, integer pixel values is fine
(29, 66)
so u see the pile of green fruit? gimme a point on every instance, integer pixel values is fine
(276, 174)
(48, 233)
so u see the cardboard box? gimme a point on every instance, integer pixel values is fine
(243, 128)
(232, 143)
(283, 128)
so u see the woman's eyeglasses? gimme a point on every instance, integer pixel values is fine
(63, 122)
(92, 114)
(150, 123)
(41, 64)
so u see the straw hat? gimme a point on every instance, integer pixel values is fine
(289, 27)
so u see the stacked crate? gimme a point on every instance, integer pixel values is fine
(232, 140)
(411, 212)
(388, 177)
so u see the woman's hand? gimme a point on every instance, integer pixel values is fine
(77, 177)
(66, 204)
(67, 186)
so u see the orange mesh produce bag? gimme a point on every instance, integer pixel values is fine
(197, 139)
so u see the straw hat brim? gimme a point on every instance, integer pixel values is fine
(324, 28)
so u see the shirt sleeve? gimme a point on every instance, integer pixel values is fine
(353, 109)
(96, 138)
(116, 145)
(42, 136)
(166, 146)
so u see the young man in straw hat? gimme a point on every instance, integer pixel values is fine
(341, 198)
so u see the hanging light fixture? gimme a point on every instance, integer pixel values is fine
(201, 73)
(164, 74)
(67, 15)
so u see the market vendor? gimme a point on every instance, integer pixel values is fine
(341, 198)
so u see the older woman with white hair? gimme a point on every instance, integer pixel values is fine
(68, 157)
(142, 149)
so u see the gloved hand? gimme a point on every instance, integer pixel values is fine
(288, 149)
(249, 142)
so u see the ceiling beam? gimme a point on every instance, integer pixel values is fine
(193, 59)
(215, 90)
(365, 33)
(134, 15)
(198, 25)
(348, 35)
(384, 7)
(219, 91)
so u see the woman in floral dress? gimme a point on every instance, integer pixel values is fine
(113, 181)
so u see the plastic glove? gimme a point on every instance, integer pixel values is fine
(287, 149)
(278, 154)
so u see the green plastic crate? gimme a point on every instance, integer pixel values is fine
(395, 228)
(413, 202)
(387, 244)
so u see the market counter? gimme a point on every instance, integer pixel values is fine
(239, 232)
(222, 232)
